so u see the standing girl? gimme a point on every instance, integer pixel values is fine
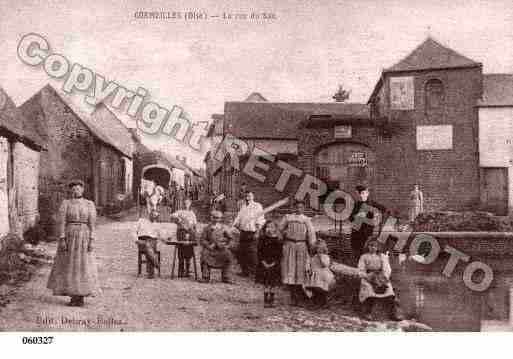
(322, 278)
(186, 232)
(298, 235)
(269, 257)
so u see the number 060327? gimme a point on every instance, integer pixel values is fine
(37, 340)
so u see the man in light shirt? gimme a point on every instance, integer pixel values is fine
(147, 236)
(248, 221)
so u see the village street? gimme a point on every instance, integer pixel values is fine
(128, 302)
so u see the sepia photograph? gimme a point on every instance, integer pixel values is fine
(255, 166)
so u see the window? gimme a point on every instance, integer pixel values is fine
(435, 97)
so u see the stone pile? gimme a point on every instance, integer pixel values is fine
(470, 221)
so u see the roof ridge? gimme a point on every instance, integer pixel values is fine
(404, 65)
(300, 103)
(498, 74)
(85, 118)
(111, 112)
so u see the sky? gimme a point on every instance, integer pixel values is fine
(301, 56)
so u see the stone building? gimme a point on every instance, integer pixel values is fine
(19, 167)
(79, 145)
(420, 126)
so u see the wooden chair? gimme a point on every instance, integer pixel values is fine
(141, 258)
(175, 258)
(210, 269)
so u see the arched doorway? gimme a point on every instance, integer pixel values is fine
(159, 175)
(162, 176)
(344, 165)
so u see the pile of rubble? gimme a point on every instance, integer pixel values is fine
(18, 261)
(470, 221)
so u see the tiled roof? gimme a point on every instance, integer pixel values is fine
(112, 126)
(12, 119)
(432, 55)
(497, 90)
(101, 129)
(8, 114)
(139, 147)
(274, 120)
(172, 162)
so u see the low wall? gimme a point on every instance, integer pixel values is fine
(484, 244)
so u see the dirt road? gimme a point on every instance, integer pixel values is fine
(129, 303)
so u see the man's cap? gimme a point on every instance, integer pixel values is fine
(361, 188)
(76, 182)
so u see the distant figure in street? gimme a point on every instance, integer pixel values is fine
(186, 232)
(147, 237)
(322, 278)
(298, 234)
(416, 203)
(216, 244)
(74, 271)
(219, 203)
(176, 200)
(180, 198)
(242, 196)
(375, 283)
(268, 270)
(152, 193)
(249, 220)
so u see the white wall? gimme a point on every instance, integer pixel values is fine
(178, 176)
(274, 146)
(129, 172)
(26, 178)
(496, 136)
(496, 141)
(4, 202)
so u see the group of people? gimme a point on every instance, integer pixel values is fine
(289, 253)
(274, 253)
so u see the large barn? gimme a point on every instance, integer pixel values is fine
(78, 146)
(420, 126)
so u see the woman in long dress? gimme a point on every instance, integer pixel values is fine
(298, 233)
(416, 203)
(74, 272)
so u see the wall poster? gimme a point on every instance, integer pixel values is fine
(402, 93)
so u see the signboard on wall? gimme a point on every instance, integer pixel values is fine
(343, 131)
(434, 137)
(358, 159)
(402, 93)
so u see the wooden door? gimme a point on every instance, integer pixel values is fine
(494, 191)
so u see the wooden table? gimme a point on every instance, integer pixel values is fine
(178, 245)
